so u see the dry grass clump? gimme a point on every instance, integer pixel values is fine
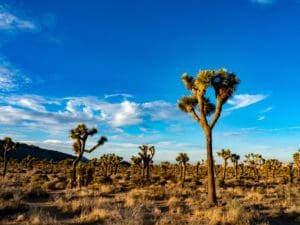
(235, 213)
(135, 196)
(80, 204)
(94, 215)
(38, 218)
(254, 196)
(35, 191)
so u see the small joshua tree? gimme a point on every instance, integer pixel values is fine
(235, 161)
(80, 135)
(182, 159)
(254, 162)
(136, 162)
(146, 154)
(296, 158)
(273, 165)
(7, 145)
(225, 154)
(224, 85)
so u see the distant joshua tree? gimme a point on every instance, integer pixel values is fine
(110, 164)
(235, 160)
(296, 158)
(136, 162)
(224, 85)
(225, 154)
(7, 145)
(273, 165)
(80, 135)
(254, 162)
(182, 159)
(146, 154)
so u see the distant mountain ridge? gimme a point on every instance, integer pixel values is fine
(24, 150)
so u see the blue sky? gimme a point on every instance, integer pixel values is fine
(116, 65)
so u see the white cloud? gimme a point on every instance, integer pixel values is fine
(264, 2)
(244, 100)
(11, 22)
(58, 115)
(127, 114)
(124, 95)
(10, 77)
(261, 118)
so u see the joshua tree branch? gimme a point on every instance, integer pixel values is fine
(93, 148)
(195, 116)
(203, 119)
(216, 114)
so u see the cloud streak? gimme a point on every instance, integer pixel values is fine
(11, 77)
(244, 100)
(10, 22)
(264, 2)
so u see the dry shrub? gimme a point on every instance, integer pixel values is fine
(254, 197)
(35, 191)
(40, 217)
(94, 215)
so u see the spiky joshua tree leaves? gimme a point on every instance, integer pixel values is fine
(225, 154)
(7, 145)
(80, 135)
(224, 85)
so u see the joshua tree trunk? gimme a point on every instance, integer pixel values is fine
(236, 170)
(148, 172)
(73, 184)
(224, 171)
(5, 163)
(184, 172)
(211, 187)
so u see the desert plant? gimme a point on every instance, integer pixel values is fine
(272, 165)
(136, 162)
(254, 162)
(80, 135)
(146, 154)
(224, 84)
(225, 154)
(182, 159)
(110, 163)
(7, 145)
(296, 158)
(235, 160)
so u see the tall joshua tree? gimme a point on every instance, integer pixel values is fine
(80, 135)
(224, 84)
(182, 159)
(7, 145)
(146, 154)
(225, 154)
(235, 160)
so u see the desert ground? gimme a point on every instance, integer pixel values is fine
(39, 192)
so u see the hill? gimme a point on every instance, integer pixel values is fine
(24, 150)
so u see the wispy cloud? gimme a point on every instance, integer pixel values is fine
(10, 22)
(11, 77)
(264, 2)
(123, 95)
(244, 100)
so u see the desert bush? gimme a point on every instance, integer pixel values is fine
(35, 191)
